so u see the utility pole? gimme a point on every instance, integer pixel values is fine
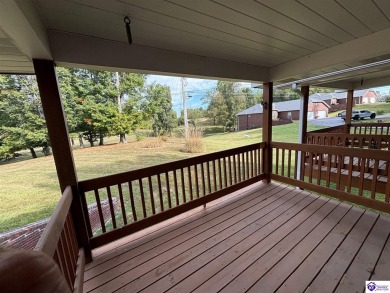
(184, 98)
(117, 82)
(122, 136)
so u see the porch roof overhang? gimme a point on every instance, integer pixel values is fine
(257, 41)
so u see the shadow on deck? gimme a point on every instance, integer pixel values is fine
(263, 238)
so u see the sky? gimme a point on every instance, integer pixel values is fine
(197, 88)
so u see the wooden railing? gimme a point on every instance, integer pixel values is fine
(356, 175)
(148, 196)
(59, 242)
(370, 128)
(370, 141)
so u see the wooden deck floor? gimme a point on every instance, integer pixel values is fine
(265, 238)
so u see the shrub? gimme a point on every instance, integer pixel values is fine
(194, 140)
(388, 99)
(139, 136)
(380, 112)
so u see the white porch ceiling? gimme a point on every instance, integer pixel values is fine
(255, 40)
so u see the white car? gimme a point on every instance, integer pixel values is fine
(359, 114)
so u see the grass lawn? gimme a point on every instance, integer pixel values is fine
(30, 190)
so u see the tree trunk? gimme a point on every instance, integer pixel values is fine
(33, 154)
(81, 141)
(122, 138)
(101, 139)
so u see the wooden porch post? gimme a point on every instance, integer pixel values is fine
(59, 140)
(267, 128)
(303, 113)
(348, 112)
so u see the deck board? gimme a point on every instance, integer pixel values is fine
(265, 238)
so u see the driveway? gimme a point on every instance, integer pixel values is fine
(336, 121)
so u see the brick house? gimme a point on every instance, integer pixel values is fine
(338, 100)
(317, 109)
(282, 113)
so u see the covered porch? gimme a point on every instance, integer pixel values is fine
(226, 220)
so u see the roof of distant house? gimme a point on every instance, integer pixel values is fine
(291, 105)
(338, 95)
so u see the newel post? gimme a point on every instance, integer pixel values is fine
(60, 143)
(267, 129)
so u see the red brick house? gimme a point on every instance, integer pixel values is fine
(282, 113)
(317, 109)
(338, 100)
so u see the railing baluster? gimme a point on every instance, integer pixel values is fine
(190, 182)
(122, 204)
(252, 163)
(110, 203)
(239, 167)
(261, 170)
(141, 190)
(176, 188)
(328, 170)
(311, 162)
(168, 190)
(320, 163)
(289, 164)
(283, 158)
(277, 161)
(160, 193)
(247, 165)
(243, 166)
(224, 171)
(68, 250)
(208, 175)
(134, 212)
(230, 171)
(338, 164)
(350, 170)
(255, 153)
(183, 185)
(151, 195)
(99, 206)
(203, 179)
(296, 154)
(215, 176)
(64, 265)
(220, 173)
(361, 176)
(196, 181)
(374, 178)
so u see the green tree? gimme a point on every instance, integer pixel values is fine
(21, 117)
(224, 102)
(130, 87)
(158, 108)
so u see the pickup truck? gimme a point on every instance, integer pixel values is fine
(359, 114)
